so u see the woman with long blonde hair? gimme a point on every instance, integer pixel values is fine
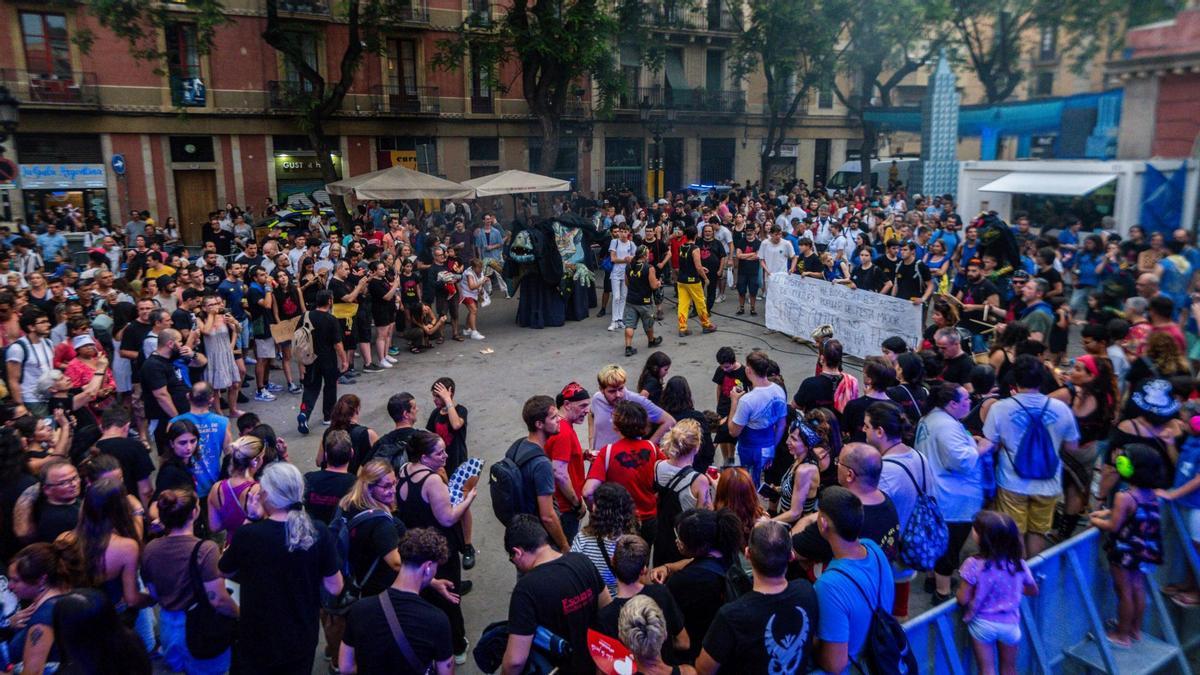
(229, 501)
(679, 485)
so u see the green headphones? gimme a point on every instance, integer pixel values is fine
(1124, 466)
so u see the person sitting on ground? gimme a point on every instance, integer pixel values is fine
(423, 324)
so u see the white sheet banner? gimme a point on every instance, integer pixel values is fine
(861, 320)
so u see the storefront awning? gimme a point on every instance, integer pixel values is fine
(1067, 184)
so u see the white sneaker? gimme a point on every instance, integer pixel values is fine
(612, 326)
(390, 360)
(384, 363)
(721, 298)
(476, 335)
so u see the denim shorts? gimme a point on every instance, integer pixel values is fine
(172, 634)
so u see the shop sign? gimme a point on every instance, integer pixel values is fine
(62, 176)
(297, 167)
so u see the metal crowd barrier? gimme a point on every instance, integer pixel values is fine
(1059, 625)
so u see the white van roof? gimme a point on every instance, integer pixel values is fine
(853, 165)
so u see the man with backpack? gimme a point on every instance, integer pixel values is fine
(855, 593)
(769, 629)
(319, 329)
(1030, 431)
(398, 631)
(523, 481)
(907, 479)
(393, 446)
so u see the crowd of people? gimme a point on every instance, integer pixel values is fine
(772, 526)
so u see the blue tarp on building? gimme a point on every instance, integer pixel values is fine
(1084, 126)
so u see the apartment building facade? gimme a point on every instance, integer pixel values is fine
(220, 128)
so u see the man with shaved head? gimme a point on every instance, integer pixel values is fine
(858, 469)
(163, 390)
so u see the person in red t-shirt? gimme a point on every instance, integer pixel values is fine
(566, 454)
(630, 463)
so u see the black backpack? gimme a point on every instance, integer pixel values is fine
(737, 577)
(391, 449)
(508, 485)
(342, 529)
(886, 650)
(669, 507)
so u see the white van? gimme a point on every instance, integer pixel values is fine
(847, 177)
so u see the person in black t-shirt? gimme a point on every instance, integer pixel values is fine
(641, 280)
(859, 467)
(728, 375)
(278, 631)
(1045, 264)
(629, 561)
(164, 393)
(324, 488)
(867, 276)
(373, 559)
(212, 273)
(807, 262)
(771, 628)
(130, 453)
(321, 377)
(887, 264)
(558, 591)
(746, 251)
(712, 257)
(369, 645)
(956, 364)
(977, 295)
(913, 280)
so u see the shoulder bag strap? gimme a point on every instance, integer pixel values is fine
(389, 613)
(685, 472)
(607, 557)
(197, 583)
(607, 456)
(908, 473)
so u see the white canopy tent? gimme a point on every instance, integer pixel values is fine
(513, 182)
(399, 182)
(1066, 184)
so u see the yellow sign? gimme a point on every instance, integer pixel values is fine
(404, 158)
(408, 160)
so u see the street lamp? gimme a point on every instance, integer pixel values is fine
(656, 125)
(10, 115)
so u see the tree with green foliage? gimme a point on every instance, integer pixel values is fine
(317, 99)
(792, 67)
(556, 45)
(994, 33)
(885, 42)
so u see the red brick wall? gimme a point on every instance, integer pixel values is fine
(254, 169)
(132, 188)
(1177, 123)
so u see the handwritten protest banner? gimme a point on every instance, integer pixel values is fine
(861, 320)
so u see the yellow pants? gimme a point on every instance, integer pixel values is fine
(690, 294)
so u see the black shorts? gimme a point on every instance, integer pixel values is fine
(360, 329)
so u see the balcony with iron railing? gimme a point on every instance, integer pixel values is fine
(481, 15)
(304, 6)
(697, 100)
(416, 11)
(288, 95)
(74, 89)
(392, 99)
(715, 16)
